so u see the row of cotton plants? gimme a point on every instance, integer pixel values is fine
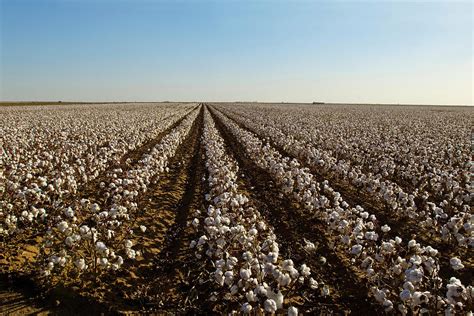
(51, 153)
(241, 247)
(94, 235)
(402, 274)
(418, 147)
(452, 220)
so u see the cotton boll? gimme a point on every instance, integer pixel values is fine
(325, 291)
(246, 308)
(229, 277)
(388, 305)
(103, 262)
(309, 246)
(245, 273)
(128, 243)
(313, 284)
(277, 297)
(62, 226)
(69, 241)
(305, 270)
(251, 297)
(143, 228)
(456, 263)
(385, 228)
(408, 286)
(80, 264)
(292, 311)
(405, 295)
(270, 306)
(356, 249)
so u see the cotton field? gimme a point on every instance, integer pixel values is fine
(238, 208)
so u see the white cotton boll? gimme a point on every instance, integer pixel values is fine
(195, 222)
(50, 265)
(202, 240)
(398, 240)
(283, 279)
(292, 311)
(110, 234)
(246, 308)
(62, 226)
(251, 297)
(322, 260)
(80, 264)
(414, 275)
(385, 228)
(245, 273)
(229, 277)
(69, 212)
(286, 264)
(432, 252)
(192, 244)
(219, 277)
(270, 306)
(313, 284)
(100, 246)
(62, 261)
(379, 295)
(143, 228)
(409, 286)
(309, 246)
(305, 270)
(103, 262)
(456, 263)
(69, 241)
(84, 230)
(293, 272)
(131, 254)
(128, 243)
(95, 207)
(234, 289)
(405, 295)
(371, 236)
(247, 256)
(277, 297)
(261, 290)
(272, 257)
(356, 249)
(388, 305)
(325, 291)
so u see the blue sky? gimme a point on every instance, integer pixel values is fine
(334, 51)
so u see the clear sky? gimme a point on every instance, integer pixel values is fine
(333, 51)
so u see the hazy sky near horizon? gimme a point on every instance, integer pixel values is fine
(334, 51)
